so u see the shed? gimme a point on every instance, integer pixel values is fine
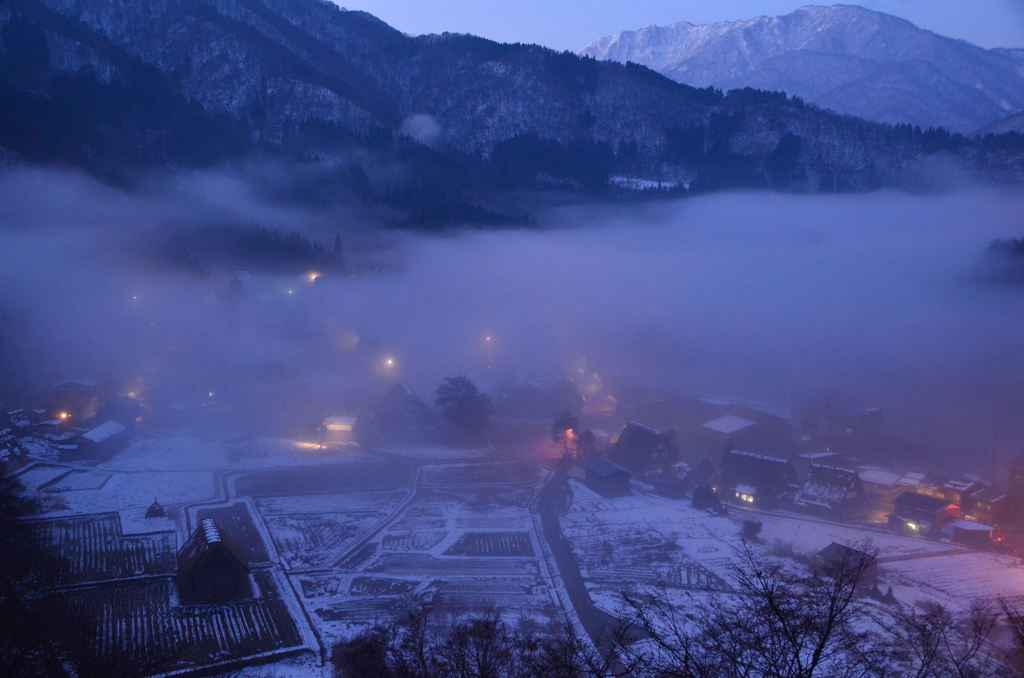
(211, 568)
(606, 477)
(968, 533)
(836, 557)
(103, 441)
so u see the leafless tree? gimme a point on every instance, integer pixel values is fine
(774, 624)
(484, 646)
(932, 642)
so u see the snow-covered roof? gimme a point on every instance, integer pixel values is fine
(755, 455)
(75, 384)
(211, 531)
(817, 455)
(605, 468)
(728, 424)
(961, 485)
(878, 476)
(643, 427)
(966, 525)
(104, 431)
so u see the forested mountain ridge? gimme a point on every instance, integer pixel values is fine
(115, 84)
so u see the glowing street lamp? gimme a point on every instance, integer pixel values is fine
(312, 276)
(63, 416)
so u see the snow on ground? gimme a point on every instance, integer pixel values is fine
(648, 543)
(183, 452)
(809, 535)
(436, 452)
(645, 542)
(954, 580)
(40, 474)
(134, 492)
(467, 547)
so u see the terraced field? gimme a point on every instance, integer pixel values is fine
(91, 548)
(131, 629)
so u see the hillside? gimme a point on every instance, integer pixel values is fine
(115, 85)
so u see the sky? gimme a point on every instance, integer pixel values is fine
(573, 25)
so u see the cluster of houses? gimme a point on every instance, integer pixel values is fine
(837, 467)
(75, 424)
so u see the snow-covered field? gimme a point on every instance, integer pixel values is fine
(467, 547)
(644, 542)
(183, 451)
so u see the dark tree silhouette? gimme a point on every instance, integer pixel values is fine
(464, 407)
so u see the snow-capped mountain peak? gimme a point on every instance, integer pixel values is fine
(844, 57)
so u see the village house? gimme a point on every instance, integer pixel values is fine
(606, 477)
(102, 442)
(992, 507)
(756, 479)
(920, 514)
(830, 491)
(959, 491)
(210, 567)
(924, 484)
(78, 398)
(401, 417)
(640, 447)
(802, 462)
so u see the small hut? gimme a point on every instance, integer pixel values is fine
(606, 477)
(155, 510)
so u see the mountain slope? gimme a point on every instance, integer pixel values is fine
(844, 58)
(115, 84)
(1011, 123)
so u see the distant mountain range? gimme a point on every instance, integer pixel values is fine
(844, 58)
(431, 126)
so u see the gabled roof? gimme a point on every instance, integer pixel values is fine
(758, 458)
(987, 494)
(103, 431)
(75, 385)
(602, 467)
(206, 539)
(728, 424)
(919, 502)
(636, 433)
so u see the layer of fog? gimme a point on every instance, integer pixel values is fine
(862, 300)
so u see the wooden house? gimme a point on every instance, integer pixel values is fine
(756, 479)
(103, 441)
(606, 477)
(920, 514)
(830, 490)
(211, 568)
(639, 447)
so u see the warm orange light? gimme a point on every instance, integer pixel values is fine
(63, 415)
(313, 275)
(488, 339)
(390, 362)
